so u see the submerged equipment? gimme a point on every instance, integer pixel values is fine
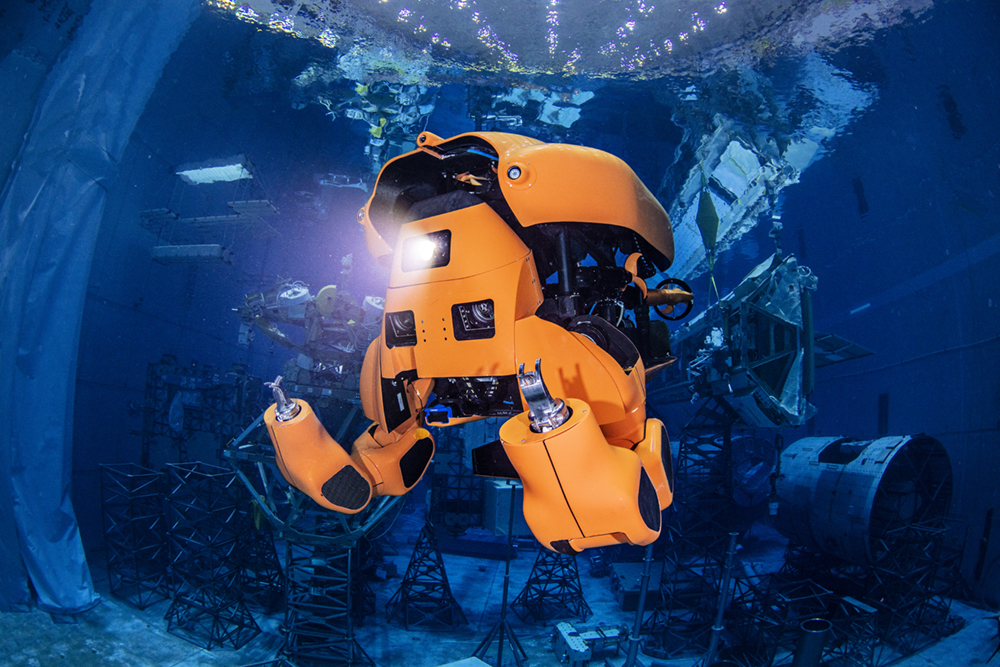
(502, 253)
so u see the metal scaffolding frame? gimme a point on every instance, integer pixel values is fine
(216, 406)
(456, 494)
(263, 578)
(765, 618)
(696, 537)
(553, 590)
(424, 598)
(319, 605)
(855, 635)
(681, 622)
(207, 521)
(704, 481)
(367, 556)
(914, 584)
(322, 577)
(135, 534)
(900, 604)
(880, 613)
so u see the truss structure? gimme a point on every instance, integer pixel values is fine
(424, 598)
(900, 604)
(319, 606)
(207, 521)
(134, 531)
(696, 533)
(880, 613)
(324, 590)
(765, 618)
(553, 590)
(201, 399)
(263, 579)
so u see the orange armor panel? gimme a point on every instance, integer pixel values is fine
(488, 261)
(577, 486)
(554, 183)
(576, 367)
(395, 467)
(314, 463)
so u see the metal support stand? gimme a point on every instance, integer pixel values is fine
(424, 597)
(633, 642)
(502, 633)
(720, 613)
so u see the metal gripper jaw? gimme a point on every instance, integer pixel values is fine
(546, 413)
(284, 408)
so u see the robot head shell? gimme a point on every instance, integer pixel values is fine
(526, 181)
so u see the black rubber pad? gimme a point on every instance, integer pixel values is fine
(413, 463)
(347, 489)
(649, 504)
(394, 405)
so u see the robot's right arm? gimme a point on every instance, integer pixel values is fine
(381, 462)
(310, 459)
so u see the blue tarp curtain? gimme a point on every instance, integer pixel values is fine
(50, 211)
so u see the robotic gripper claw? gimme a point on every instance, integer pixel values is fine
(285, 409)
(546, 413)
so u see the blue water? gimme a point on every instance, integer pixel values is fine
(888, 129)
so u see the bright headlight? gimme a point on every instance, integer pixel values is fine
(428, 251)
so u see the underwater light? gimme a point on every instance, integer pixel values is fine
(213, 171)
(428, 251)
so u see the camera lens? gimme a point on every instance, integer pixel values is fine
(483, 312)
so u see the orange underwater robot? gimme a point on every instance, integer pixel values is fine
(507, 256)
